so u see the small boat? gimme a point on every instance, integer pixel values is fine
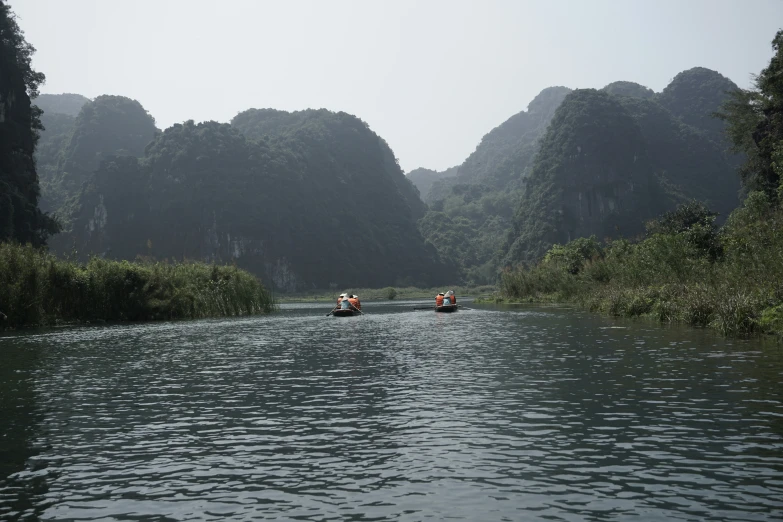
(446, 308)
(344, 313)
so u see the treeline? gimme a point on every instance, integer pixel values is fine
(686, 268)
(35, 287)
(38, 289)
(581, 162)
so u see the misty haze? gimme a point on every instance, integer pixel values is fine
(234, 236)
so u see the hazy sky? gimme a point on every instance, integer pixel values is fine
(431, 77)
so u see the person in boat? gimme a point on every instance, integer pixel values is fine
(340, 299)
(345, 303)
(439, 299)
(354, 300)
(452, 297)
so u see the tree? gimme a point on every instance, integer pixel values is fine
(20, 217)
(755, 125)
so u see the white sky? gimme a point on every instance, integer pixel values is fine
(431, 77)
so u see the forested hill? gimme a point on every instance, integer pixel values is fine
(610, 162)
(471, 212)
(66, 103)
(694, 96)
(72, 148)
(591, 176)
(489, 163)
(477, 215)
(335, 146)
(315, 200)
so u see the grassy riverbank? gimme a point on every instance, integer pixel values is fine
(37, 289)
(685, 270)
(370, 294)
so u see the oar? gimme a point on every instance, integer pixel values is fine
(330, 313)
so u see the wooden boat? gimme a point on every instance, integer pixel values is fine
(345, 313)
(446, 308)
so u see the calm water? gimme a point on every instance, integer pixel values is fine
(486, 414)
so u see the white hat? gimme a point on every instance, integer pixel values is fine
(343, 295)
(356, 296)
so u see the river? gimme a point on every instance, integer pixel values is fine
(491, 413)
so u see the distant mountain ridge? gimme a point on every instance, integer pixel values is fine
(66, 103)
(310, 199)
(679, 142)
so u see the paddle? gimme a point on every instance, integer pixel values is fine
(330, 313)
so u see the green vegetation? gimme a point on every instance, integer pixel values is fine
(107, 126)
(38, 289)
(581, 163)
(591, 176)
(20, 217)
(629, 89)
(471, 210)
(686, 268)
(305, 200)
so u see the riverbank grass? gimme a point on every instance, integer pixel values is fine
(36, 288)
(686, 270)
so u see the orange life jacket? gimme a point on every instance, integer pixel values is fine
(439, 300)
(453, 299)
(355, 302)
(339, 300)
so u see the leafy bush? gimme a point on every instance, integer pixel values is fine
(36, 288)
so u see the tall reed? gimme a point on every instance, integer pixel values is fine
(36, 288)
(735, 286)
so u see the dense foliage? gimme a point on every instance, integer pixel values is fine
(630, 89)
(755, 126)
(730, 278)
(313, 203)
(694, 96)
(109, 125)
(686, 268)
(686, 163)
(20, 217)
(36, 288)
(610, 162)
(532, 185)
(471, 210)
(591, 177)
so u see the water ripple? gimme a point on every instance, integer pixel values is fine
(488, 414)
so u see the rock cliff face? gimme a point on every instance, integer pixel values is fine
(109, 125)
(316, 203)
(615, 158)
(694, 96)
(590, 177)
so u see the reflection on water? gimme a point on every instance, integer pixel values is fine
(486, 414)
